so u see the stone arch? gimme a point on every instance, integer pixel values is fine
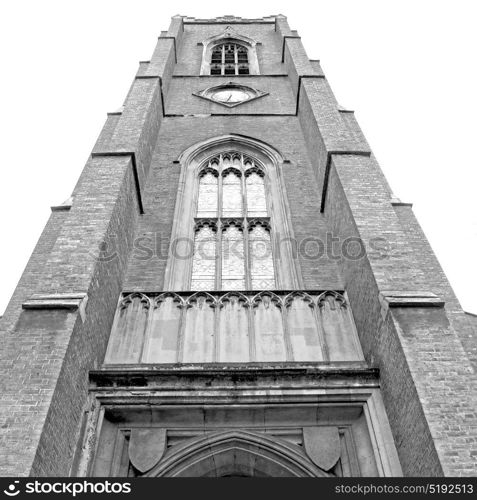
(229, 35)
(236, 452)
(256, 147)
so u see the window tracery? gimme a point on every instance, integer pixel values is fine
(232, 241)
(227, 179)
(229, 59)
(229, 53)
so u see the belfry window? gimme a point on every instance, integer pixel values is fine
(232, 231)
(229, 59)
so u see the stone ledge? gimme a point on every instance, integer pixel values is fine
(400, 204)
(408, 299)
(64, 207)
(210, 375)
(271, 75)
(70, 301)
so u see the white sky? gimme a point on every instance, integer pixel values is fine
(408, 69)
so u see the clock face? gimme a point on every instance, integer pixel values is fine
(230, 95)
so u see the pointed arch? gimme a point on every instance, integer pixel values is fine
(256, 146)
(273, 297)
(242, 153)
(229, 36)
(207, 297)
(336, 299)
(176, 298)
(239, 452)
(126, 301)
(288, 300)
(242, 298)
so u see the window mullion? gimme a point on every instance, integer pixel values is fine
(244, 193)
(236, 58)
(246, 259)
(218, 267)
(247, 256)
(223, 60)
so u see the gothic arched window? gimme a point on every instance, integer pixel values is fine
(229, 59)
(231, 229)
(232, 232)
(229, 53)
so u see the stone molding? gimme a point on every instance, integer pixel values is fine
(72, 301)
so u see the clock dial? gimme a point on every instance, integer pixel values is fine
(230, 95)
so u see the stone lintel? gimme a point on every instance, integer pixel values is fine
(230, 20)
(235, 375)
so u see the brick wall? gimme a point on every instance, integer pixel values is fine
(269, 46)
(181, 101)
(46, 357)
(32, 275)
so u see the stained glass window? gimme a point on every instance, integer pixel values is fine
(232, 245)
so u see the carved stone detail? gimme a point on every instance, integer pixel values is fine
(146, 448)
(233, 326)
(322, 445)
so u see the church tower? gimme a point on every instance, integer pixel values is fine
(233, 290)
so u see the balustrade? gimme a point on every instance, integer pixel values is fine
(228, 327)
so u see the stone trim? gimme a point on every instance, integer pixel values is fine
(70, 301)
(231, 35)
(250, 380)
(146, 77)
(64, 207)
(272, 75)
(393, 299)
(400, 204)
(177, 388)
(411, 299)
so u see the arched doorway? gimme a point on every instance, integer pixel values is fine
(236, 453)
